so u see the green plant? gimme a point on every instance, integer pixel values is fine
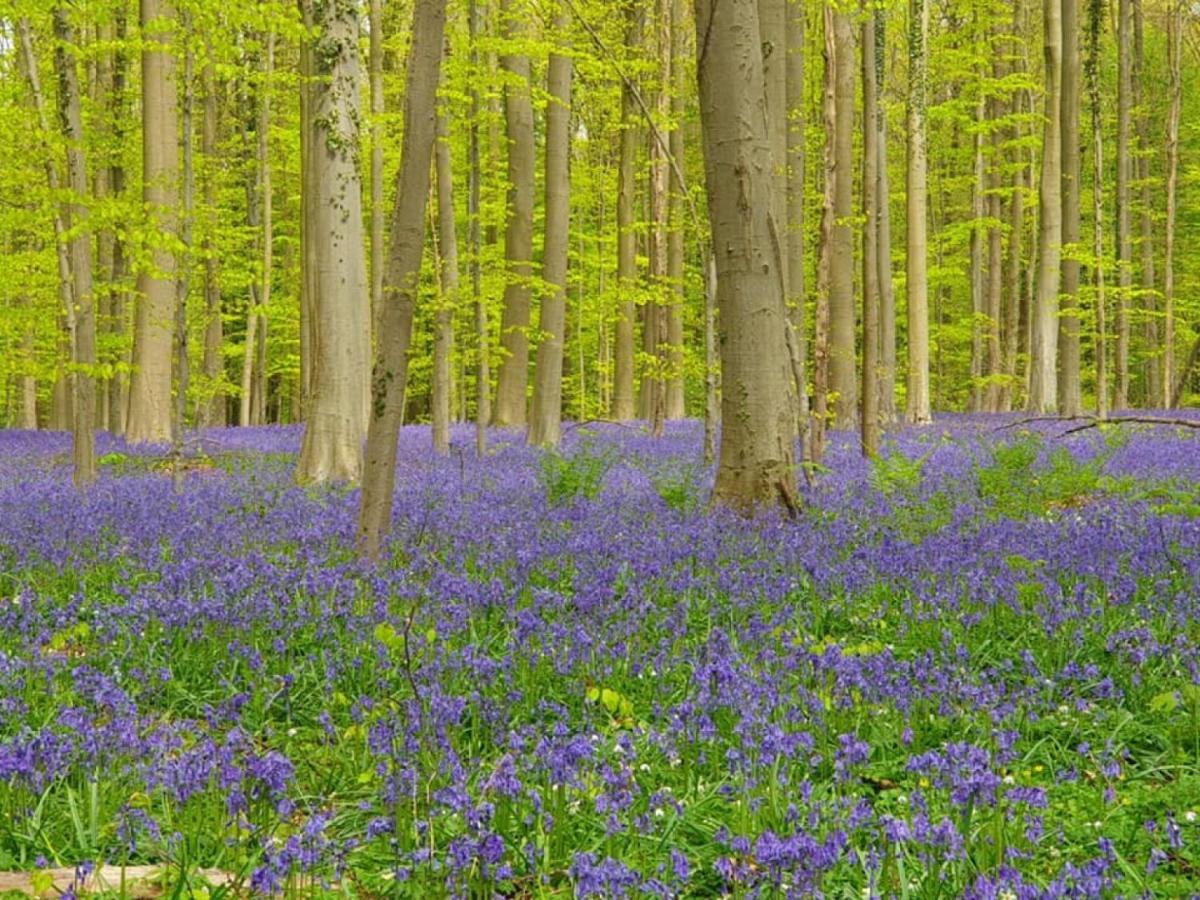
(564, 477)
(679, 487)
(1023, 480)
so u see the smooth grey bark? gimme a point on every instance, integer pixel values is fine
(916, 252)
(843, 368)
(1175, 20)
(820, 405)
(1153, 386)
(75, 218)
(375, 78)
(546, 418)
(887, 294)
(623, 349)
(796, 290)
(513, 375)
(1095, 30)
(1070, 391)
(256, 311)
(443, 323)
(757, 456)
(483, 411)
(118, 386)
(1124, 221)
(978, 303)
(390, 372)
(676, 215)
(870, 260)
(1043, 330)
(179, 358)
(340, 339)
(212, 411)
(153, 340)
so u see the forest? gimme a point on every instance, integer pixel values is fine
(600, 448)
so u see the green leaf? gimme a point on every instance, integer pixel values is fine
(1166, 702)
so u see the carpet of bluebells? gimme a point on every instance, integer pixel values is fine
(971, 668)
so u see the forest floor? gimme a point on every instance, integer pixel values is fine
(971, 668)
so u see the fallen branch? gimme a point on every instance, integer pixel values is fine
(1096, 422)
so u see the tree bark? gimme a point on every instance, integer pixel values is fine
(1124, 214)
(375, 76)
(1175, 18)
(1095, 30)
(758, 433)
(483, 412)
(918, 409)
(1149, 281)
(820, 408)
(212, 410)
(513, 377)
(1043, 377)
(623, 353)
(256, 312)
(546, 420)
(978, 303)
(118, 387)
(887, 295)
(340, 339)
(677, 214)
(150, 386)
(870, 260)
(390, 372)
(843, 368)
(796, 173)
(443, 328)
(1070, 392)
(75, 218)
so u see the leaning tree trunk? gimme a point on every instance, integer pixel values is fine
(1124, 214)
(341, 336)
(758, 430)
(545, 423)
(623, 398)
(513, 377)
(1043, 328)
(401, 281)
(1070, 393)
(1174, 52)
(918, 410)
(843, 370)
(153, 339)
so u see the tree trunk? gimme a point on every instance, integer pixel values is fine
(513, 377)
(375, 74)
(1095, 30)
(1175, 21)
(256, 313)
(545, 423)
(153, 339)
(212, 410)
(758, 433)
(655, 339)
(75, 218)
(443, 328)
(680, 71)
(118, 387)
(1149, 281)
(483, 412)
(1043, 378)
(843, 368)
(887, 295)
(1070, 393)
(623, 406)
(1124, 214)
(1009, 393)
(341, 339)
(180, 362)
(978, 303)
(918, 410)
(796, 173)
(401, 280)
(820, 409)
(870, 260)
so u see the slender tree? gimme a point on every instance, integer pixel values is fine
(887, 294)
(918, 408)
(623, 398)
(843, 369)
(796, 170)
(545, 421)
(1070, 393)
(870, 258)
(1148, 289)
(1174, 53)
(390, 374)
(1095, 30)
(677, 214)
(256, 313)
(212, 409)
(483, 412)
(1124, 214)
(150, 387)
(443, 320)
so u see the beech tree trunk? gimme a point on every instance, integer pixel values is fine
(1175, 18)
(623, 350)
(341, 333)
(212, 410)
(843, 368)
(1010, 393)
(1095, 30)
(1124, 214)
(796, 289)
(513, 377)
(917, 410)
(978, 303)
(1043, 377)
(677, 214)
(390, 373)
(75, 218)
(546, 420)
(443, 326)
(256, 311)
(756, 466)
(483, 411)
(1070, 392)
(118, 386)
(1149, 280)
(820, 408)
(153, 339)
(375, 75)
(887, 294)
(870, 260)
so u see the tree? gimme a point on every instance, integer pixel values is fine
(212, 411)
(623, 406)
(447, 246)
(870, 259)
(1124, 214)
(1070, 394)
(340, 343)
(1175, 18)
(483, 412)
(843, 370)
(757, 439)
(545, 421)
(513, 377)
(677, 214)
(887, 295)
(796, 170)
(1043, 379)
(390, 372)
(256, 313)
(1095, 29)
(150, 387)
(918, 409)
